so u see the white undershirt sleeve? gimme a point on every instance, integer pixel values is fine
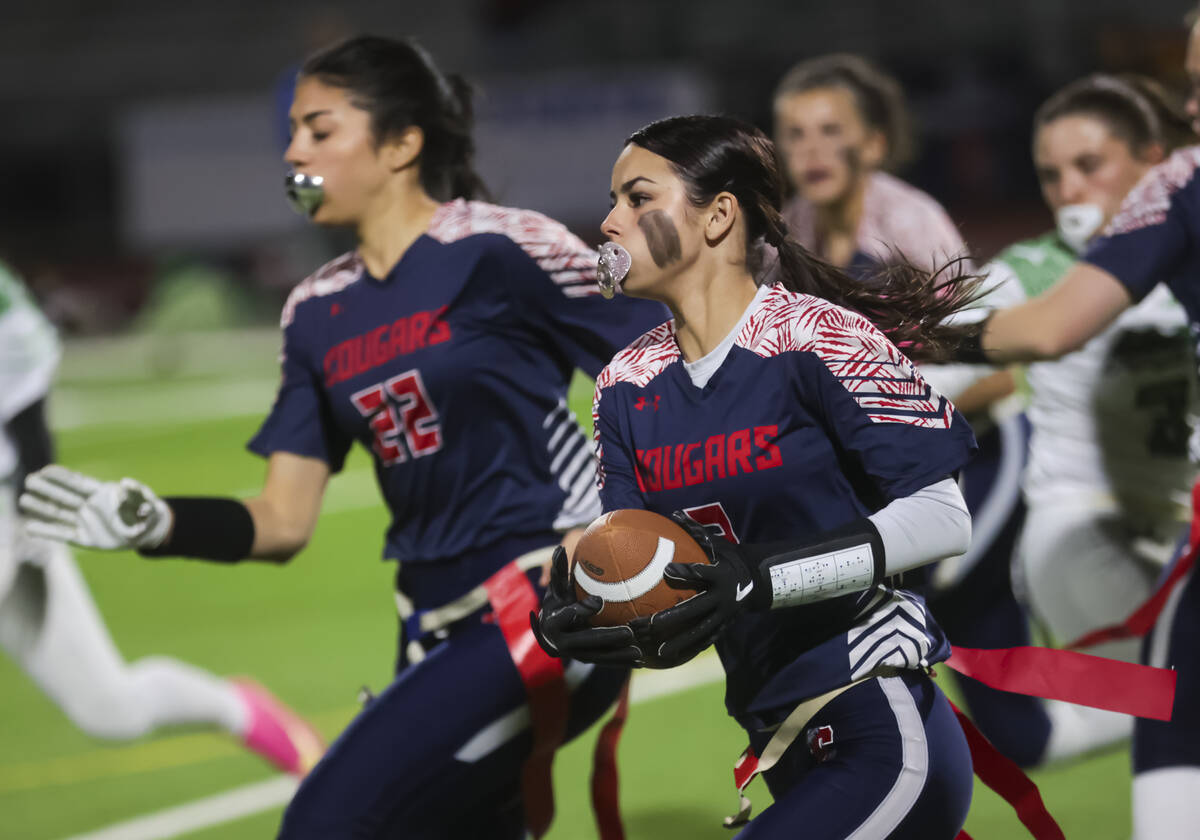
(931, 524)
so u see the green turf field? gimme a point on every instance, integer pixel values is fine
(316, 631)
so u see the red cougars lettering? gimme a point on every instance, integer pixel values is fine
(739, 451)
(380, 345)
(693, 471)
(673, 482)
(671, 467)
(773, 458)
(714, 457)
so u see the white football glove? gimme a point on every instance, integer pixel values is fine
(61, 504)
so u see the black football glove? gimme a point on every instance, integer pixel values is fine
(729, 586)
(562, 625)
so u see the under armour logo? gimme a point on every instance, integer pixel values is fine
(641, 402)
(335, 309)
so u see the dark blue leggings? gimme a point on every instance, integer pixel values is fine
(890, 761)
(438, 754)
(1174, 643)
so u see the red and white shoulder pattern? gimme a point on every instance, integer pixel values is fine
(1148, 202)
(638, 363)
(881, 379)
(330, 278)
(561, 254)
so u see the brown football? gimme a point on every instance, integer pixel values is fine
(621, 557)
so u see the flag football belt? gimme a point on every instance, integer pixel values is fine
(419, 625)
(511, 596)
(1066, 675)
(749, 765)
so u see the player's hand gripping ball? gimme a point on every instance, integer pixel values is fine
(617, 577)
(728, 585)
(621, 558)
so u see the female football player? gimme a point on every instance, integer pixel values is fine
(1153, 239)
(444, 344)
(821, 461)
(1108, 479)
(50, 624)
(840, 123)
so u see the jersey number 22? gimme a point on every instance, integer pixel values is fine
(401, 416)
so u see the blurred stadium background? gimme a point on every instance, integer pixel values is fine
(140, 164)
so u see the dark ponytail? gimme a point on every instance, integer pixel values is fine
(397, 83)
(714, 154)
(462, 179)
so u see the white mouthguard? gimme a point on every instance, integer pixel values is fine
(1078, 223)
(614, 265)
(305, 192)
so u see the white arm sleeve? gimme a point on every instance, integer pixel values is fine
(931, 524)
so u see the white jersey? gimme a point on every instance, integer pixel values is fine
(29, 354)
(1111, 421)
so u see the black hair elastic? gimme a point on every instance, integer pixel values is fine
(970, 351)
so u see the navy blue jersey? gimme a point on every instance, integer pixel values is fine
(1155, 237)
(813, 420)
(453, 371)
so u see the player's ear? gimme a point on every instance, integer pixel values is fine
(874, 150)
(402, 149)
(720, 216)
(1153, 153)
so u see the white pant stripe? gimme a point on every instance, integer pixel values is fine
(914, 767)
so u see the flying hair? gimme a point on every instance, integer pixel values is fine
(715, 154)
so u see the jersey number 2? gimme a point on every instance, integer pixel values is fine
(400, 413)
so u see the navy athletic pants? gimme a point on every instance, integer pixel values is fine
(1174, 643)
(885, 759)
(439, 753)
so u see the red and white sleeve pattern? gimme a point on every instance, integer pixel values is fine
(881, 379)
(637, 364)
(329, 279)
(561, 254)
(1150, 199)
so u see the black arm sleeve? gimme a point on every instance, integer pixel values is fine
(208, 528)
(28, 430)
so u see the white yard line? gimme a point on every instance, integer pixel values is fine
(248, 800)
(160, 403)
(650, 685)
(245, 801)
